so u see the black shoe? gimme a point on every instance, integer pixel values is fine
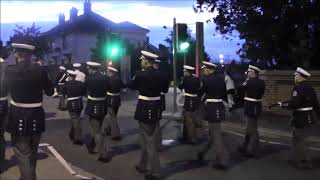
(117, 138)
(304, 165)
(108, 131)
(242, 150)
(220, 166)
(104, 160)
(78, 142)
(151, 177)
(183, 140)
(140, 170)
(90, 149)
(200, 157)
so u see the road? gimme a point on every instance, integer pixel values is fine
(178, 162)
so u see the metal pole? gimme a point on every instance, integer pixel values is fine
(199, 47)
(184, 58)
(174, 38)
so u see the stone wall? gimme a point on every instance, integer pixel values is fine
(279, 85)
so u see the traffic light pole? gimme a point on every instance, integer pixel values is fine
(199, 47)
(174, 38)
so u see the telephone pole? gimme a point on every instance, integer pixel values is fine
(199, 47)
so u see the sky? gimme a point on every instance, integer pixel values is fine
(150, 14)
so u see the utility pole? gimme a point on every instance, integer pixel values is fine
(199, 47)
(174, 38)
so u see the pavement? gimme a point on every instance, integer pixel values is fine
(178, 161)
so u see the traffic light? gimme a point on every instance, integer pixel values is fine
(182, 37)
(113, 47)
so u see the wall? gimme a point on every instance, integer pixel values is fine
(81, 46)
(279, 85)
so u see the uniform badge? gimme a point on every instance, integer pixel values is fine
(294, 93)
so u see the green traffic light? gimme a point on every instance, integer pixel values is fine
(114, 51)
(184, 46)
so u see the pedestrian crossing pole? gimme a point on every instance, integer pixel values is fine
(174, 38)
(199, 47)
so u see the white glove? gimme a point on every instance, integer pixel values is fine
(280, 104)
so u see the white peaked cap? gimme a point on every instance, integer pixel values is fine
(62, 68)
(76, 65)
(302, 72)
(254, 68)
(208, 64)
(23, 46)
(72, 72)
(93, 64)
(149, 55)
(112, 69)
(188, 67)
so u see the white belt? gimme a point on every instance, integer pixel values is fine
(305, 109)
(26, 105)
(190, 95)
(3, 98)
(113, 94)
(60, 83)
(149, 98)
(73, 98)
(214, 100)
(163, 93)
(252, 99)
(96, 98)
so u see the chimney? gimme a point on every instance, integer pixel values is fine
(87, 6)
(61, 18)
(73, 13)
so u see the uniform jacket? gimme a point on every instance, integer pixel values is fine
(253, 88)
(303, 96)
(149, 83)
(26, 83)
(214, 87)
(191, 85)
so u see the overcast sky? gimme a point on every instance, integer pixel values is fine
(150, 14)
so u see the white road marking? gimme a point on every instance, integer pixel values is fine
(62, 161)
(270, 142)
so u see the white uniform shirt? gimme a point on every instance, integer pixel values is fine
(80, 76)
(229, 82)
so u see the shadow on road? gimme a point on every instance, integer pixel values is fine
(13, 161)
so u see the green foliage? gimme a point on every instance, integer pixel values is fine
(284, 31)
(4, 51)
(30, 35)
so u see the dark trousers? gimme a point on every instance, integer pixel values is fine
(149, 148)
(2, 140)
(98, 135)
(189, 126)
(299, 146)
(112, 124)
(76, 130)
(62, 102)
(25, 149)
(251, 143)
(215, 139)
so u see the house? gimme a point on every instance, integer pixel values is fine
(73, 40)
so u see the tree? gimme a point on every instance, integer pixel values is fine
(4, 51)
(283, 31)
(104, 43)
(31, 35)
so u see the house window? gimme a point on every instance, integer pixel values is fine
(64, 42)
